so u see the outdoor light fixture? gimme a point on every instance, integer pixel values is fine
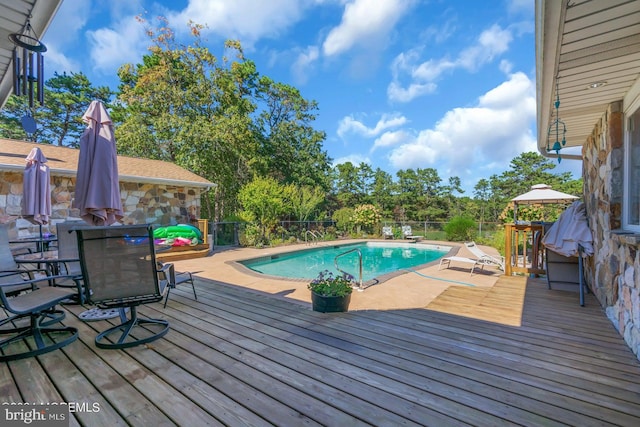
(556, 128)
(595, 85)
(28, 45)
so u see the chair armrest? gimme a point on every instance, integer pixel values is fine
(32, 281)
(164, 271)
(182, 277)
(28, 271)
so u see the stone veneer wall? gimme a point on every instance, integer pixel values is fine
(141, 203)
(613, 272)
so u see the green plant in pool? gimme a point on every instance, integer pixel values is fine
(328, 285)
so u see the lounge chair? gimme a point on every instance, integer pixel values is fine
(408, 233)
(120, 271)
(387, 232)
(474, 262)
(483, 257)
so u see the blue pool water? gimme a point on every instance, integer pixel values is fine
(378, 258)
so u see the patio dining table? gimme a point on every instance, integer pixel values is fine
(47, 258)
(42, 244)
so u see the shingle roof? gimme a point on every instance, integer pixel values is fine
(64, 161)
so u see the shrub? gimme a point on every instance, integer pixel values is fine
(343, 220)
(366, 217)
(461, 229)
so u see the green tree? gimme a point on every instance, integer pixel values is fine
(11, 119)
(218, 118)
(482, 193)
(290, 148)
(455, 185)
(263, 201)
(184, 106)
(529, 169)
(383, 192)
(365, 181)
(59, 121)
(305, 200)
(420, 194)
(67, 97)
(526, 170)
(346, 184)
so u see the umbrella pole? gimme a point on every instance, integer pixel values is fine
(41, 243)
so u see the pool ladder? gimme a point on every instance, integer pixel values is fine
(314, 237)
(335, 262)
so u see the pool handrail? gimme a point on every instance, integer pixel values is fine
(314, 236)
(335, 262)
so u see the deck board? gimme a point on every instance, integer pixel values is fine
(517, 353)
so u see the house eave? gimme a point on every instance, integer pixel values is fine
(124, 178)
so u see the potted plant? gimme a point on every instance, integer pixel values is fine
(331, 293)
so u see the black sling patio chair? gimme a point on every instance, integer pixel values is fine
(67, 262)
(119, 270)
(168, 275)
(9, 267)
(36, 299)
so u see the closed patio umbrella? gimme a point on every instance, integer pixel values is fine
(97, 194)
(570, 234)
(36, 191)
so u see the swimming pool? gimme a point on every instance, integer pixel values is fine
(378, 259)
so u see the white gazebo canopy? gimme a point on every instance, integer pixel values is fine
(541, 194)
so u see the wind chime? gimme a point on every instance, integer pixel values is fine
(556, 128)
(28, 70)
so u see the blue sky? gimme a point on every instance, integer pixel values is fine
(400, 84)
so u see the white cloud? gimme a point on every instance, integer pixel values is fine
(491, 43)
(71, 18)
(468, 140)
(422, 76)
(303, 63)
(364, 22)
(351, 125)
(390, 139)
(125, 42)
(57, 61)
(506, 66)
(396, 92)
(247, 20)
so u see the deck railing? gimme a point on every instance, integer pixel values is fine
(524, 252)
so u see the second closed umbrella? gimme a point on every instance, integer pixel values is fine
(97, 194)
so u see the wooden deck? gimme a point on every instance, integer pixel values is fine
(238, 357)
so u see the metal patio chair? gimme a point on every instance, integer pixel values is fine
(9, 267)
(68, 261)
(172, 279)
(119, 270)
(36, 299)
